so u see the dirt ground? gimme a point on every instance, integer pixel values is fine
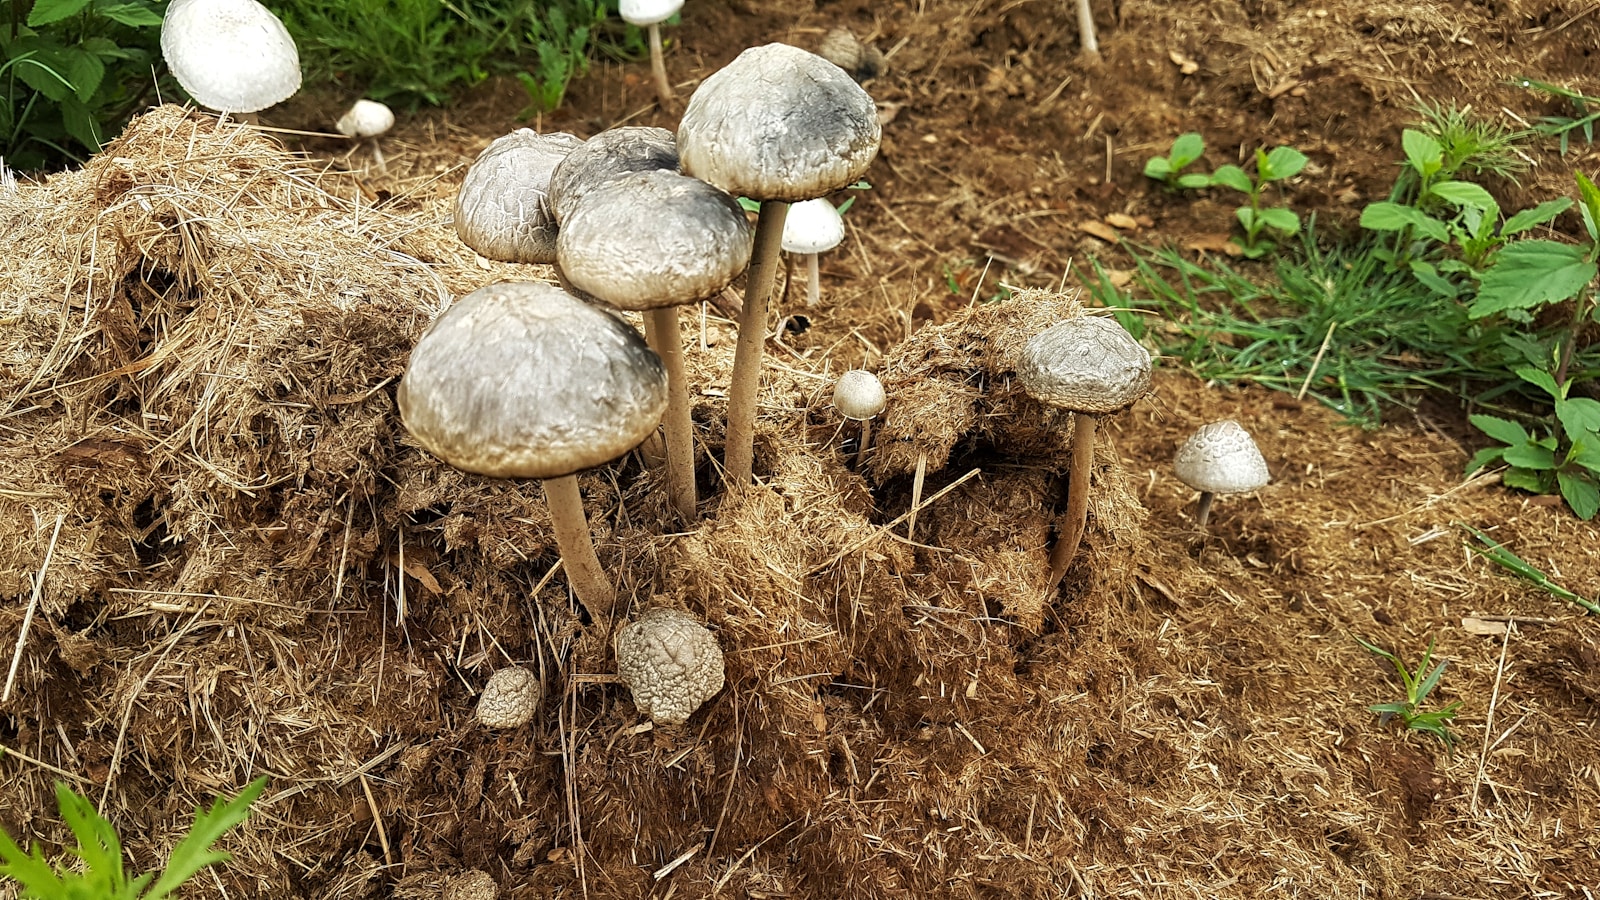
(291, 588)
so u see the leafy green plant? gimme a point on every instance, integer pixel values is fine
(100, 851)
(1497, 553)
(1169, 169)
(1586, 110)
(1470, 142)
(1547, 461)
(560, 37)
(1418, 685)
(1277, 165)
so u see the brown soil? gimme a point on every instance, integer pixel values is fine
(257, 573)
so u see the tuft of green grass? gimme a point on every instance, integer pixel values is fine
(1418, 685)
(1497, 553)
(1472, 143)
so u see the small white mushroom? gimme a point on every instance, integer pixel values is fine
(670, 662)
(649, 14)
(811, 228)
(858, 395)
(368, 120)
(233, 56)
(1220, 458)
(510, 698)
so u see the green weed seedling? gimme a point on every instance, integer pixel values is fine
(1497, 553)
(1169, 169)
(1586, 111)
(1545, 462)
(560, 38)
(1279, 164)
(1418, 685)
(102, 876)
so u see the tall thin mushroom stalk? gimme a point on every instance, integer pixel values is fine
(1086, 36)
(649, 14)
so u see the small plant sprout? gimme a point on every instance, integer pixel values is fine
(368, 120)
(1220, 458)
(649, 14)
(812, 227)
(1418, 685)
(1169, 169)
(1092, 367)
(1280, 164)
(858, 395)
(509, 699)
(502, 210)
(232, 56)
(671, 663)
(777, 125)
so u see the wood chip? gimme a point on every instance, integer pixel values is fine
(1100, 230)
(1123, 222)
(1473, 625)
(1185, 64)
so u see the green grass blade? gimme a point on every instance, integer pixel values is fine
(1497, 553)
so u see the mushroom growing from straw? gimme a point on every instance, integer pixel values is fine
(1220, 458)
(813, 227)
(367, 120)
(503, 208)
(858, 395)
(671, 663)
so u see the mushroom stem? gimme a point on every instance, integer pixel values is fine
(1070, 526)
(813, 280)
(916, 493)
(584, 574)
(661, 331)
(1086, 37)
(658, 66)
(866, 438)
(377, 156)
(1204, 513)
(739, 449)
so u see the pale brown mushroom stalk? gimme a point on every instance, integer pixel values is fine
(649, 14)
(1086, 35)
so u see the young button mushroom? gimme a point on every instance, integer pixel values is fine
(1092, 367)
(502, 210)
(233, 56)
(650, 14)
(776, 125)
(858, 395)
(671, 664)
(523, 380)
(367, 120)
(613, 152)
(510, 698)
(1220, 458)
(812, 227)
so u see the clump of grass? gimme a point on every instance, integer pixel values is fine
(1418, 685)
(1472, 143)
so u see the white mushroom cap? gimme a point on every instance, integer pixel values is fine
(230, 55)
(779, 123)
(671, 663)
(858, 394)
(502, 210)
(613, 152)
(1086, 364)
(812, 226)
(510, 698)
(523, 380)
(1221, 458)
(648, 12)
(365, 119)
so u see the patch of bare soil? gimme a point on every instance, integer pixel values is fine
(256, 572)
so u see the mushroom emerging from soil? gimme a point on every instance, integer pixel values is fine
(858, 395)
(1086, 37)
(671, 663)
(502, 210)
(776, 125)
(613, 152)
(652, 241)
(650, 14)
(812, 227)
(523, 380)
(233, 56)
(1220, 458)
(1092, 367)
(510, 698)
(367, 120)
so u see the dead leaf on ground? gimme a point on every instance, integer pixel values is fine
(1122, 222)
(1100, 230)
(1213, 243)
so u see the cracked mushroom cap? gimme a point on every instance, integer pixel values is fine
(230, 55)
(1221, 458)
(365, 119)
(648, 12)
(651, 239)
(510, 698)
(1086, 364)
(779, 123)
(502, 210)
(812, 226)
(613, 152)
(671, 663)
(523, 380)
(858, 394)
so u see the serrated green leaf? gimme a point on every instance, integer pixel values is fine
(1429, 276)
(98, 845)
(39, 64)
(1231, 176)
(45, 12)
(1422, 152)
(35, 875)
(1586, 453)
(1387, 216)
(1579, 417)
(1539, 215)
(81, 123)
(1531, 273)
(1534, 482)
(1580, 492)
(130, 14)
(1483, 458)
(1281, 163)
(1463, 193)
(1186, 149)
(1503, 430)
(194, 852)
(1540, 379)
(1280, 219)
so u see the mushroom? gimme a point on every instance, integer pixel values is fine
(510, 698)
(858, 395)
(650, 14)
(841, 47)
(233, 56)
(502, 210)
(653, 241)
(812, 227)
(367, 120)
(670, 662)
(613, 152)
(523, 380)
(1220, 458)
(1092, 367)
(776, 125)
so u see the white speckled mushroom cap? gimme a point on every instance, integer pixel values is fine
(613, 152)
(523, 380)
(671, 663)
(1087, 364)
(651, 239)
(509, 699)
(365, 119)
(502, 210)
(858, 394)
(779, 123)
(812, 226)
(1221, 458)
(230, 55)
(648, 12)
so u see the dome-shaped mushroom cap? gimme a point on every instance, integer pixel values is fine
(858, 394)
(510, 698)
(779, 123)
(230, 55)
(812, 226)
(646, 240)
(648, 12)
(613, 152)
(523, 380)
(1221, 458)
(502, 210)
(1086, 364)
(671, 663)
(365, 119)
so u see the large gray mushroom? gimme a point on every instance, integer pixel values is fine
(776, 125)
(233, 56)
(671, 663)
(502, 210)
(613, 152)
(523, 380)
(1220, 458)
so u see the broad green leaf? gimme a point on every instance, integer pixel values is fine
(1503, 430)
(1246, 217)
(1531, 273)
(1281, 163)
(1231, 176)
(81, 123)
(1387, 216)
(1590, 195)
(1579, 417)
(1484, 458)
(1186, 149)
(41, 66)
(47, 11)
(130, 14)
(1530, 456)
(1539, 215)
(1540, 379)
(1281, 219)
(1586, 453)
(1463, 193)
(85, 71)
(1429, 276)
(1580, 492)
(1194, 181)
(1158, 168)
(1422, 152)
(1527, 480)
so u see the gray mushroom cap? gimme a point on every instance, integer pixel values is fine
(613, 152)
(502, 211)
(646, 240)
(858, 394)
(1221, 458)
(509, 699)
(779, 123)
(230, 55)
(1086, 364)
(523, 380)
(671, 663)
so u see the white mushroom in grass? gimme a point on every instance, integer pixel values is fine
(367, 120)
(670, 662)
(811, 228)
(858, 395)
(649, 14)
(233, 56)
(509, 699)
(502, 210)
(1220, 458)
